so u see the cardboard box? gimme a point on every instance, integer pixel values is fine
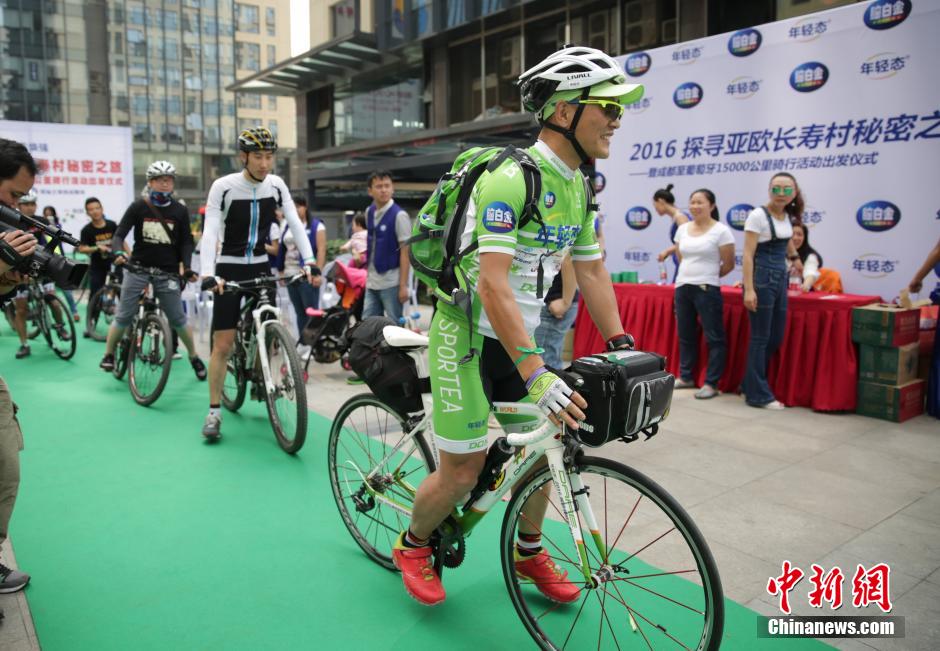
(895, 403)
(883, 365)
(923, 366)
(880, 324)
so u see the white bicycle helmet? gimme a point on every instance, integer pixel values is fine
(29, 197)
(161, 168)
(574, 71)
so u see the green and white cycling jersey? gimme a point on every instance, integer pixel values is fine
(493, 214)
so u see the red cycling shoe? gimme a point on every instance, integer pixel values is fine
(550, 580)
(417, 572)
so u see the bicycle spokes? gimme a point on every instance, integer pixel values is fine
(648, 578)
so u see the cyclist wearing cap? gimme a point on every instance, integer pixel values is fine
(578, 95)
(27, 206)
(240, 217)
(163, 240)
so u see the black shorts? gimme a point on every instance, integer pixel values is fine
(501, 379)
(226, 306)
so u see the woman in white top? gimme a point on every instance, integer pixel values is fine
(767, 247)
(705, 248)
(810, 258)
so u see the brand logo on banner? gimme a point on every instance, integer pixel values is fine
(636, 257)
(737, 215)
(549, 199)
(809, 76)
(883, 65)
(638, 218)
(812, 216)
(808, 29)
(743, 87)
(744, 42)
(686, 55)
(638, 64)
(688, 95)
(885, 14)
(600, 182)
(874, 265)
(878, 216)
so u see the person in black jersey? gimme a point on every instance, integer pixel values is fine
(240, 219)
(162, 239)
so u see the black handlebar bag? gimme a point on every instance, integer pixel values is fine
(627, 391)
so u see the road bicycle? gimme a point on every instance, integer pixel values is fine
(46, 313)
(102, 306)
(273, 369)
(645, 574)
(145, 350)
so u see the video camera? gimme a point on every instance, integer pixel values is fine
(65, 273)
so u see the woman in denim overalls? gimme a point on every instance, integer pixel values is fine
(765, 282)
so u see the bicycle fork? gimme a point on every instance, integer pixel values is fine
(260, 328)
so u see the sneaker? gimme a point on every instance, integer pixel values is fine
(212, 429)
(774, 405)
(707, 391)
(23, 351)
(62, 332)
(198, 368)
(684, 384)
(417, 572)
(177, 355)
(304, 351)
(107, 363)
(76, 318)
(550, 580)
(11, 580)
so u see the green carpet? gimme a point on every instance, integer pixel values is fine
(140, 536)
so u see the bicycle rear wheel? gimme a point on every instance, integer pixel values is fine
(365, 430)
(287, 406)
(100, 313)
(57, 326)
(149, 359)
(655, 586)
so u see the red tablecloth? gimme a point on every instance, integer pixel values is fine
(815, 367)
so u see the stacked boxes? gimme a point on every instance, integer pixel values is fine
(888, 338)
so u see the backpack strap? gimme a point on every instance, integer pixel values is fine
(590, 198)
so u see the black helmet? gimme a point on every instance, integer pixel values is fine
(256, 139)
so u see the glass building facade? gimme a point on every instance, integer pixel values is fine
(162, 67)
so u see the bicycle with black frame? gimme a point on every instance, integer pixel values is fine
(102, 307)
(145, 351)
(273, 369)
(46, 313)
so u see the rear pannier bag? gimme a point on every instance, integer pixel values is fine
(390, 373)
(627, 391)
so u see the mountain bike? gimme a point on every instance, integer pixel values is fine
(645, 574)
(46, 313)
(102, 306)
(273, 369)
(145, 351)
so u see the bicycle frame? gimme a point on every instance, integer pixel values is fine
(571, 492)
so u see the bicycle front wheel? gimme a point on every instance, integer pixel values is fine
(149, 359)
(373, 460)
(287, 405)
(58, 327)
(653, 582)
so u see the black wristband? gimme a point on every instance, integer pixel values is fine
(620, 341)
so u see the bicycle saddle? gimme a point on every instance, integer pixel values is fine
(403, 338)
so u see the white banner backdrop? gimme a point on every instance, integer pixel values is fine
(846, 100)
(78, 161)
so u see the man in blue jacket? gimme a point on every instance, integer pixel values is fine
(388, 227)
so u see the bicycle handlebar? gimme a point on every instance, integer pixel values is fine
(255, 283)
(543, 431)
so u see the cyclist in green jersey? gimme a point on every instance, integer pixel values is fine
(578, 95)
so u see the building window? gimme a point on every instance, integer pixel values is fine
(272, 102)
(270, 21)
(366, 112)
(422, 16)
(466, 100)
(248, 100)
(272, 127)
(247, 18)
(503, 60)
(272, 55)
(343, 15)
(248, 56)
(136, 44)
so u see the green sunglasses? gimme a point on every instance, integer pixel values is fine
(612, 110)
(784, 190)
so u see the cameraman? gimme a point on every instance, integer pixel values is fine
(17, 172)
